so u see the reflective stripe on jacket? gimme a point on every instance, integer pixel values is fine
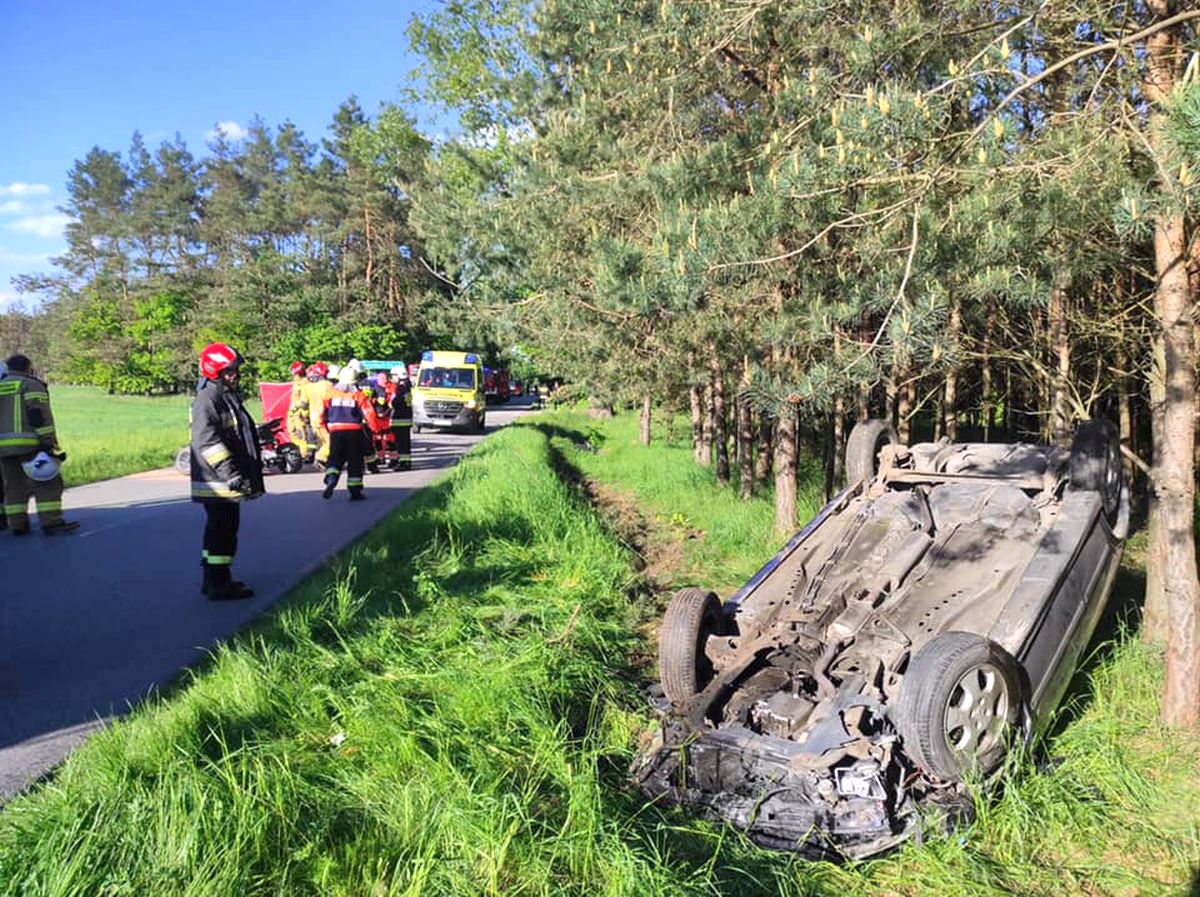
(25, 418)
(224, 445)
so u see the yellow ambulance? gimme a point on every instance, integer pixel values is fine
(449, 392)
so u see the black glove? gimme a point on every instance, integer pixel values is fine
(240, 484)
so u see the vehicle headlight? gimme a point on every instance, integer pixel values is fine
(472, 405)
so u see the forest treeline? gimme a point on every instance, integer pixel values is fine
(976, 220)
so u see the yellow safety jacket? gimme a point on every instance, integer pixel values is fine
(298, 402)
(25, 418)
(317, 393)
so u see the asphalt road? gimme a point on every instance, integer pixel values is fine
(92, 622)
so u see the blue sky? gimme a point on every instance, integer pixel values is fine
(74, 75)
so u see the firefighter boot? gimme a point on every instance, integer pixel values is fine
(219, 585)
(331, 479)
(356, 493)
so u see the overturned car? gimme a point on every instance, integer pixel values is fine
(928, 618)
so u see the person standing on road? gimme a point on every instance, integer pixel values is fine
(318, 390)
(402, 417)
(343, 417)
(297, 413)
(29, 452)
(226, 467)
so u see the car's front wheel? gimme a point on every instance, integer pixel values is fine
(1096, 463)
(691, 618)
(866, 441)
(290, 459)
(959, 705)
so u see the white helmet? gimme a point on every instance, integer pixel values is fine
(355, 365)
(41, 468)
(335, 371)
(346, 377)
(399, 372)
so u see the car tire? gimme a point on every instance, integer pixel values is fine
(1096, 464)
(959, 703)
(692, 616)
(866, 441)
(290, 459)
(183, 460)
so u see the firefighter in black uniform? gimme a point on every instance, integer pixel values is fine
(343, 417)
(402, 417)
(226, 466)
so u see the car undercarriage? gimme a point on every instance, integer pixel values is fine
(927, 618)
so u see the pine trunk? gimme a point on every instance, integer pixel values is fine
(785, 473)
(762, 464)
(1173, 595)
(904, 410)
(720, 422)
(839, 441)
(697, 407)
(745, 436)
(950, 391)
(988, 407)
(1155, 613)
(706, 428)
(1176, 484)
(644, 428)
(1060, 347)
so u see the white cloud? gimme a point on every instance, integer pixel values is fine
(9, 299)
(47, 226)
(14, 207)
(23, 259)
(231, 129)
(19, 189)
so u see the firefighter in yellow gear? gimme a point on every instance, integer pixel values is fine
(27, 434)
(298, 417)
(318, 390)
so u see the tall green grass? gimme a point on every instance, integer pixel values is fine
(451, 708)
(110, 436)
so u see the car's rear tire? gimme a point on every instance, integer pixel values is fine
(290, 459)
(867, 440)
(1096, 463)
(692, 616)
(959, 704)
(183, 460)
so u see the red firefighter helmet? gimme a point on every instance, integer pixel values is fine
(297, 369)
(319, 368)
(218, 357)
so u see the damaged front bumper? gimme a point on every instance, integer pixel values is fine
(781, 795)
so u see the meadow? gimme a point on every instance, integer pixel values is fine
(110, 436)
(451, 706)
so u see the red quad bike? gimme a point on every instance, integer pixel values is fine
(278, 450)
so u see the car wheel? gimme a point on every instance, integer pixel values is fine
(866, 441)
(1096, 463)
(959, 702)
(183, 460)
(692, 616)
(290, 459)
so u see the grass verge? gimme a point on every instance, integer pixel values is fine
(110, 436)
(450, 709)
